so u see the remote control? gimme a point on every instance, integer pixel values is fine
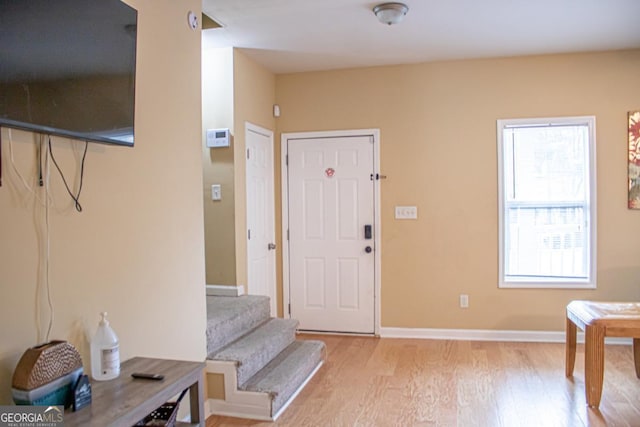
(143, 376)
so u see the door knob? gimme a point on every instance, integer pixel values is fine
(368, 249)
(271, 246)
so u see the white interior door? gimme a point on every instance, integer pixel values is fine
(331, 256)
(261, 260)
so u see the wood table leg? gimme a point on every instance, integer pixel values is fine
(570, 348)
(594, 364)
(196, 400)
(636, 355)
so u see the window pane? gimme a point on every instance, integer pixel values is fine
(546, 242)
(546, 163)
(547, 203)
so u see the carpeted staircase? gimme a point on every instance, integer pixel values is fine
(262, 364)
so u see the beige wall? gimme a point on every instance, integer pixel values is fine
(236, 90)
(252, 89)
(219, 215)
(254, 96)
(137, 249)
(438, 149)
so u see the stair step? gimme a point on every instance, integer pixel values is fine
(282, 377)
(228, 318)
(254, 350)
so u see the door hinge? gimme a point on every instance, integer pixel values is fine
(289, 308)
(249, 234)
(286, 159)
(287, 234)
(248, 155)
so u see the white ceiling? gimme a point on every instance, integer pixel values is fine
(306, 35)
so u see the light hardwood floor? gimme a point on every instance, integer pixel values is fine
(402, 382)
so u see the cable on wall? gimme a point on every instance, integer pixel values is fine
(15, 168)
(76, 197)
(40, 146)
(47, 239)
(0, 156)
(47, 202)
(44, 157)
(23, 180)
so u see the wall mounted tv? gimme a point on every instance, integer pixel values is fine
(67, 68)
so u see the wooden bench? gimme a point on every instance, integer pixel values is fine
(599, 320)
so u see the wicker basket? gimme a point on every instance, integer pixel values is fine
(44, 363)
(165, 415)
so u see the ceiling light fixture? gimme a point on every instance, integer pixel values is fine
(390, 13)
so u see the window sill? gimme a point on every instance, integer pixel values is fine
(546, 285)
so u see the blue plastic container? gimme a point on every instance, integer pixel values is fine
(57, 392)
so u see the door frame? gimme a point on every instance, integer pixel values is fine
(284, 139)
(250, 127)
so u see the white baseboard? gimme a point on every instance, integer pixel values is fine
(225, 290)
(487, 335)
(237, 403)
(224, 408)
(244, 404)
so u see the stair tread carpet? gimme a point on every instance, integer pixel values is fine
(228, 318)
(257, 348)
(287, 371)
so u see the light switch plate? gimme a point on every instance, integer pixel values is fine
(216, 192)
(406, 212)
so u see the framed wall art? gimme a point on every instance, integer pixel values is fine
(634, 159)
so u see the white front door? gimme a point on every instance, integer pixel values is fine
(261, 260)
(331, 233)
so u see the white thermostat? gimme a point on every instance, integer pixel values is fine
(217, 138)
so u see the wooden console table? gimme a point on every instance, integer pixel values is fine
(124, 401)
(599, 320)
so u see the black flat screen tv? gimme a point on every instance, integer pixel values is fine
(67, 68)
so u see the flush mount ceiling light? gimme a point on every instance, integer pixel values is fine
(390, 13)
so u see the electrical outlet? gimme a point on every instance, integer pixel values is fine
(464, 301)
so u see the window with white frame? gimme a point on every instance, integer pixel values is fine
(547, 216)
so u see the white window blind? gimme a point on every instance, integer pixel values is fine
(547, 195)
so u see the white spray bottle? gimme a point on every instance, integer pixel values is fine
(105, 352)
